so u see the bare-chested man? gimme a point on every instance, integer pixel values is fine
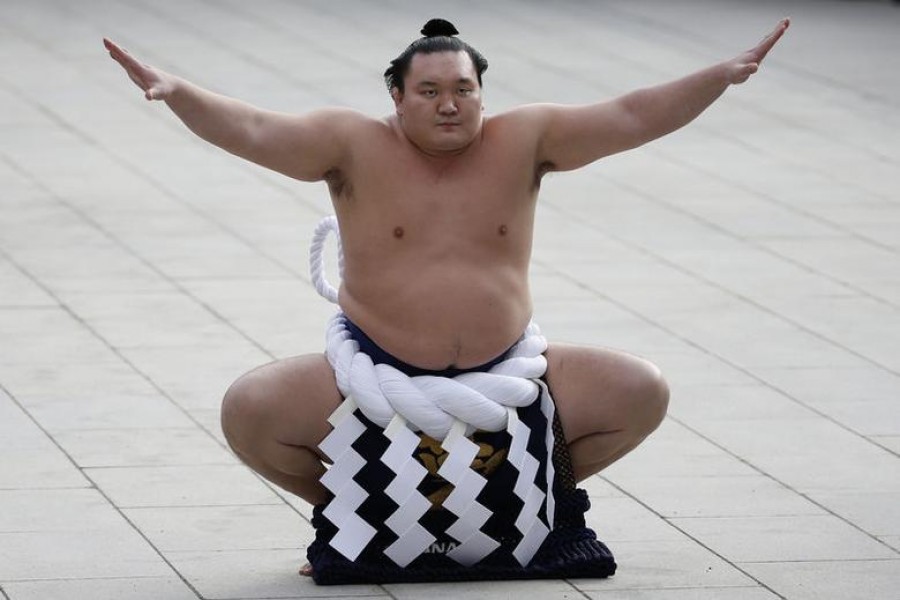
(436, 206)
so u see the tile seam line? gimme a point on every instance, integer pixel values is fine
(804, 495)
(753, 243)
(167, 122)
(647, 319)
(822, 561)
(90, 222)
(130, 167)
(250, 59)
(215, 465)
(702, 169)
(116, 352)
(765, 196)
(691, 537)
(699, 40)
(736, 563)
(211, 41)
(700, 126)
(277, 26)
(110, 578)
(828, 174)
(748, 106)
(754, 110)
(702, 278)
(308, 597)
(133, 366)
(624, 306)
(67, 126)
(100, 491)
(290, 270)
(698, 276)
(148, 507)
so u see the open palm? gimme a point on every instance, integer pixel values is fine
(156, 84)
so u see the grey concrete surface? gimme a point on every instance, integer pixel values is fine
(753, 256)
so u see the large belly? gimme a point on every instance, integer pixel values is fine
(445, 315)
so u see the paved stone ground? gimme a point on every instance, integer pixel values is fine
(754, 256)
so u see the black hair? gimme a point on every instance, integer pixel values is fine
(438, 36)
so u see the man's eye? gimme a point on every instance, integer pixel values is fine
(465, 91)
(429, 93)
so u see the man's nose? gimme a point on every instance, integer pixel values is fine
(447, 105)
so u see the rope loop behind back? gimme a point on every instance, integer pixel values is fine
(317, 260)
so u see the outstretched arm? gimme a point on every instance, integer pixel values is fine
(573, 136)
(305, 147)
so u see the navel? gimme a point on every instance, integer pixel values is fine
(502, 230)
(398, 232)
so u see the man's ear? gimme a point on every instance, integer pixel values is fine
(397, 97)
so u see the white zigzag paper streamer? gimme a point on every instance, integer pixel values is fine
(413, 539)
(549, 410)
(467, 484)
(354, 533)
(532, 529)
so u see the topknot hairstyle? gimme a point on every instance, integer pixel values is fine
(439, 27)
(438, 36)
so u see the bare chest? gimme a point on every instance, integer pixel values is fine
(490, 192)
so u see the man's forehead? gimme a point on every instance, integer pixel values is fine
(441, 66)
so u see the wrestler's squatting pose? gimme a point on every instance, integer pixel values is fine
(436, 207)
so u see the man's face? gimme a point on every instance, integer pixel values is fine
(440, 109)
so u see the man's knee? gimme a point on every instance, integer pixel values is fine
(648, 394)
(244, 412)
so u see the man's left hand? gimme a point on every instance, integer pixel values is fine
(739, 70)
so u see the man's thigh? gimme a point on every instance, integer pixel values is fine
(599, 391)
(287, 401)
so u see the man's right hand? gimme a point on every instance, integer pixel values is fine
(157, 85)
(304, 147)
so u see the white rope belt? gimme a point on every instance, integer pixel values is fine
(447, 409)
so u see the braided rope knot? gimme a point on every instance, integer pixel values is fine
(429, 403)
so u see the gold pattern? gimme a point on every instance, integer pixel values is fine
(432, 456)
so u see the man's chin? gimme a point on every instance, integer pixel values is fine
(452, 143)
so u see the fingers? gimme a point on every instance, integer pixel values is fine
(139, 73)
(114, 50)
(762, 49)
(121, 55)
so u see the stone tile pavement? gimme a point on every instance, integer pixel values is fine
(754, 256)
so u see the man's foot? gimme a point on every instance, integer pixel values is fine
(306, 570)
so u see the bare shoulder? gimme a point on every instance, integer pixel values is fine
(310, 145)
(355, 126)
(522, 125)
(531, 116)
(338, 119)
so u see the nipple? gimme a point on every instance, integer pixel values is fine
(398, 232)
(502, 230)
